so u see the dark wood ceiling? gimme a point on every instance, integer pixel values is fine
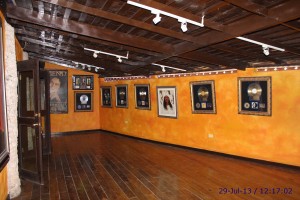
(59, 30)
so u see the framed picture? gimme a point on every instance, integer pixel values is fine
(254, 95)
(106, 96)
(83, 101)
(203, 97)
(142, 97)
(58, 91)
(4, 149)
(121, 96)
(82, 82)
(166, 102)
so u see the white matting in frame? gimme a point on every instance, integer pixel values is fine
(167, 101)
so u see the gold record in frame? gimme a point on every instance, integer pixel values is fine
(203, 97)
(255, 95)
(254, 91)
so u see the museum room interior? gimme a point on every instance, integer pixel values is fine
(150, 99)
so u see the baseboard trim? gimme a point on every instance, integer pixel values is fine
(59, 134)
(264, 162)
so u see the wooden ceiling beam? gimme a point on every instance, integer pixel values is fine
(85, 38)
(277, 44)
(121, 19)
(249, 6)
(212, 59)
(86, 30)
(160, 6)
(244, 53)
(286, 11)
(81, 59)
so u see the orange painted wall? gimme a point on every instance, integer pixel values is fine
(3, 183)
(19, 51)
(275, 138)
(75, 121)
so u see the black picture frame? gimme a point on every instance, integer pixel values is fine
(121, 96)
(142, 96)
(83, 101)
(255, 95)
(4, 146)
(83, 82)
(166, 101)
(58, 91)
(106, 96)
(203, 97)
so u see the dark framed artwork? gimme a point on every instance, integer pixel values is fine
(255, 95)
(142, 97)
(121, 96)
(166, 102)
(83, 101)
(4, 149)
(83, 82)
(203, 97)
(58, 91)
(106, 96)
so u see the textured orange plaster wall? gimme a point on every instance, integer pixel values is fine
(75, 121)
(19, 51)
(273, 138)
(3, 184)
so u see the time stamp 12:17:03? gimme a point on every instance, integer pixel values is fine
(248, 190)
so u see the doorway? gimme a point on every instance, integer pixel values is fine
(33, 120)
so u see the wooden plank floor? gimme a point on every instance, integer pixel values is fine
(105, 166)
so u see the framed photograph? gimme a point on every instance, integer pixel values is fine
(58, 91)
(121, 96)
(254, 95)
(83, 101)
(166, 102)
(4, 149)
(142, 97)
(106, 97)
(203, 97)
(82, 82)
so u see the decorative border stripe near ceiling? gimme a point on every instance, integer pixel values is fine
(278, 68)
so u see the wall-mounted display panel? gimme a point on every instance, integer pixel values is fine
(82, 82)
(254, 95)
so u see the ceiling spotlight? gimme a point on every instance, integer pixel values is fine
(266, 50)
(163, 69)
(95, 55)
(157, 19)
(184, 26)
(119, 59)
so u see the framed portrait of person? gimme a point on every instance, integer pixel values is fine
(83, 101)
(166, 101)
(4, 148)
(106, 96)
(203, 97)
(255, 95)
(58, 91)
(83, 82)
(142, 97)
(121, 96)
